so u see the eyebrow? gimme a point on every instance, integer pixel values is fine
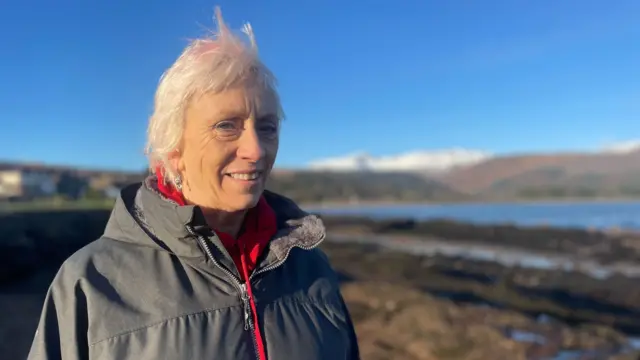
(235, 115)
(231, 114)
(268, 117)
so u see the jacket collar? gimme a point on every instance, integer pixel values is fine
(143, 216)
(296, 229)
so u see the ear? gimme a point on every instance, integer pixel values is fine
(176, 161)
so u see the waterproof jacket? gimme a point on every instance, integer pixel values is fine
(160, 285)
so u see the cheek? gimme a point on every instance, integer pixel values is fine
(271, 150)
(205, 163)
(217, 158)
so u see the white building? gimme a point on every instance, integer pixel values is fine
(26, 184)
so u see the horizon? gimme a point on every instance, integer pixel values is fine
(621, 149)
(494, 77)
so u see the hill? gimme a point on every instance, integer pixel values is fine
(551, 175)
(314, 187)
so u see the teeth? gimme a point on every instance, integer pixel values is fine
(249, 176)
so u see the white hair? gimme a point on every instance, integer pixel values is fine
(207, 65)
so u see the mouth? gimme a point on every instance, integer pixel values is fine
(246, 176)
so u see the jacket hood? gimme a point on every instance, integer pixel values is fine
(142, 216)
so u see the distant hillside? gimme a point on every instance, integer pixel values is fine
(313, 187)
(607, 174)
(479, 177)
(560, 175)
(302, 186)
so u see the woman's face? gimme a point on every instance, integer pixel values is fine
(229, 146)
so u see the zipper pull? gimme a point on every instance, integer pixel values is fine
(244, 295)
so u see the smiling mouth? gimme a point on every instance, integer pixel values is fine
(246, 176)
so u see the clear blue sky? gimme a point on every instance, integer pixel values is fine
(78, 76)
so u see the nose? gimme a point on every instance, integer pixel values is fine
(249, 145)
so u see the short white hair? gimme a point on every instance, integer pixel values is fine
(207, 65)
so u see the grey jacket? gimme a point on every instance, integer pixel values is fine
(153, 287)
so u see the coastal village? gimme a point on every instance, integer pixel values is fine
(21, 182)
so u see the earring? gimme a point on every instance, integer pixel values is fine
(177, 181)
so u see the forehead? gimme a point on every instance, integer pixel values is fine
(236, 101)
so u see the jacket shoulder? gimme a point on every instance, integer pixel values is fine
(320, 261)
(313, 266)
(315, 259)
(103, 254)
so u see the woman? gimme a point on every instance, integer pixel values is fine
(199, 261)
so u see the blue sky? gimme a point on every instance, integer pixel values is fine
(383, 77)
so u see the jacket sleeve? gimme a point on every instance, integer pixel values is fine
(62, 330)
(354, 351)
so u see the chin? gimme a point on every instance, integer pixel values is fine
(245, 201)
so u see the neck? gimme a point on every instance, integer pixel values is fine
(229, 222)
(224, 221)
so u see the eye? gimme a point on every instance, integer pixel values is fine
(225, 125)
(227, 129)
(268, 129)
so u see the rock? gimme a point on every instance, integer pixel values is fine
(592, 337)
(565, 295)
(423, 328)
(634, 355)
(402, 322)
(390, 306)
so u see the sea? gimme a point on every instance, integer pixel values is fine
(594, 215)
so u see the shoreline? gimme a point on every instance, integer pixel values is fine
(604, 245)
(508, 256)
(552, 305)
(542, 201)
(66, 205)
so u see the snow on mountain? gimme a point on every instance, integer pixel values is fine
(423, 161)
(623, 147)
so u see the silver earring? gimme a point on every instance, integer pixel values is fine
(177, 181)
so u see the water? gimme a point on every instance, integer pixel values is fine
(603, 215)
(600, 215)
(504, 256)
(576, 354)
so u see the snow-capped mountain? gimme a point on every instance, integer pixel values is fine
(623, 147)
(423, 161)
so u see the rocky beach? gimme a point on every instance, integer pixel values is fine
(417, 290)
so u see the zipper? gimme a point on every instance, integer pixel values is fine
(244, 294)
(248, 317)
